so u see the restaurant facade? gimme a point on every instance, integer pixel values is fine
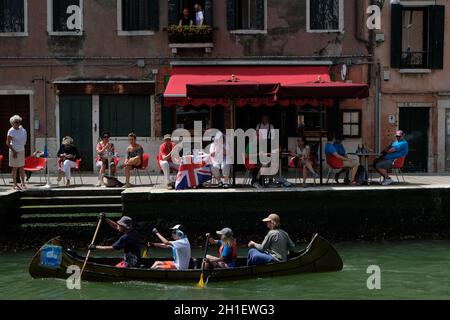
(78, 68)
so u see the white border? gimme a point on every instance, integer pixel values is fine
(308, 19)
(25, 24)
(62, 33)
(120, 30)
(254, 31)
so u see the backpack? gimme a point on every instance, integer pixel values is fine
(112, 182)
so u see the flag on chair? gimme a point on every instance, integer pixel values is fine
(191, 175)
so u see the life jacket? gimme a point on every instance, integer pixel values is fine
(233, 251)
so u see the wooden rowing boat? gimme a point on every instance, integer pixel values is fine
(53, 260)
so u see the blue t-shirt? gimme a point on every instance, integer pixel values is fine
(131, 246)
(401, 150)
(339, 148)
(330, 149)
(227, 254)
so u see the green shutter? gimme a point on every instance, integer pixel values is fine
(173, 11)
(396, 35)
(436, 37)
(231, 14)
(154, 15)
(260, 15)
(209, 12)
(166, 114)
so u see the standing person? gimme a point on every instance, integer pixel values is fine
(105, 157)
(302, 158)
(135, 153)
(398, 149)
(265, 130)
(218, 155)
(165, 160)
(275, 247)
(185, 19)
(181, 250)
(339, 161)
(227, 251)
(68, 155)
(16, 140)
(199, 17)
(129, 242)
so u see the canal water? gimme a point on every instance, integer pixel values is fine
(409, 270)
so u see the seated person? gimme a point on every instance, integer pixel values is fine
(302, 159)
(342, 152)
(129, 242)
(134, 158)
(185, 19)
(251, 151)
(227, 251)
(340, 161)
(68, 155)
(181, 250)
(219, 168)
(275, 247)
(398, 149)
(105, 157)
(165, 160)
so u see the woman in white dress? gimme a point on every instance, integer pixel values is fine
(302, 159)
(16, 141)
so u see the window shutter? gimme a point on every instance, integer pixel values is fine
(208, 11)
(231, 14)
(260, 15)
(174, 11)
(396, 35)
(154, 15)
(436, 37)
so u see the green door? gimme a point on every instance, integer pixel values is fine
(75, 120)
(415, 123)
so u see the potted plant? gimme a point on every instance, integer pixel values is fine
(189, 34)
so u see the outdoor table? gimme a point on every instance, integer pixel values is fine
(364, 160)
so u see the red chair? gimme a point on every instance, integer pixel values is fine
(76, 169)
(397, 168)
(34, 164)
(300, 167)
(3, 178)
(143, 167)
(335, 165)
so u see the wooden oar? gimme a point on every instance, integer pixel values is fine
(89, 251)
(201, 283)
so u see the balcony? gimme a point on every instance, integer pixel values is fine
(190, 37)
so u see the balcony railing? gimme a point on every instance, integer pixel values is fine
(190, 37)
(414, 59)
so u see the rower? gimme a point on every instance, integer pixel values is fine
(227, 251)
(129, 241)
(275, 247)
(181, 250)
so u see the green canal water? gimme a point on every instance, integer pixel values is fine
(409, 270)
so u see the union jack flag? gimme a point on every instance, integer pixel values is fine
(191, 175)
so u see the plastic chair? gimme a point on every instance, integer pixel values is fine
(335, 165)
(397, 168)
(3, 178)
(34, 164)
(76, 169)
(299, 169)
(143, 167)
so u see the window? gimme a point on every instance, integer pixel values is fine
(351, 123)
(417, 37)
(13, 18)
(186, 117)
(246, 16)
(65, 17)
(122, 114)
(138, 17)
(325, 15)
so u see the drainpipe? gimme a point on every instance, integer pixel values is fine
(378, 109)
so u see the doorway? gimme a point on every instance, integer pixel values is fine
(75, 120)
(415, 122)
(9, 106)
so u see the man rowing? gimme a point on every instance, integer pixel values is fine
(275, 247)
(129, 241)
(181, 250)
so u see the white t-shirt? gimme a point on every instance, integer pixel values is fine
(220, 152)
(181, 250)
(198, 17)
(19, 138)
(265, 130)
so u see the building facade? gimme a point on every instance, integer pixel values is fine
(76, 67)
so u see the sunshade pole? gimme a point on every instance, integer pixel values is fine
(233, 118)
(321, 144)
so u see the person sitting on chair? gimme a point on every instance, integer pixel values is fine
(275, 247)
(348, 163)
(302, 159)
(135, 153)
(181, 250)
(165, 160)
(398, 149)
(218, 155)
(68, 155)
(105, 157)
(342, 152)
(129, 242)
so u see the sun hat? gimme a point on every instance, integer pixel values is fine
(227, 232)
(125, 222)
(177, 230)
(167, 136)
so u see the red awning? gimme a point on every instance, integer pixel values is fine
(233, 88)
(330, 90)
(176, 91)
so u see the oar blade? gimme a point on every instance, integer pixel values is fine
(201, 283)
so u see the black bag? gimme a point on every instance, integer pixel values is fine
(361, 175)
(112, 182)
